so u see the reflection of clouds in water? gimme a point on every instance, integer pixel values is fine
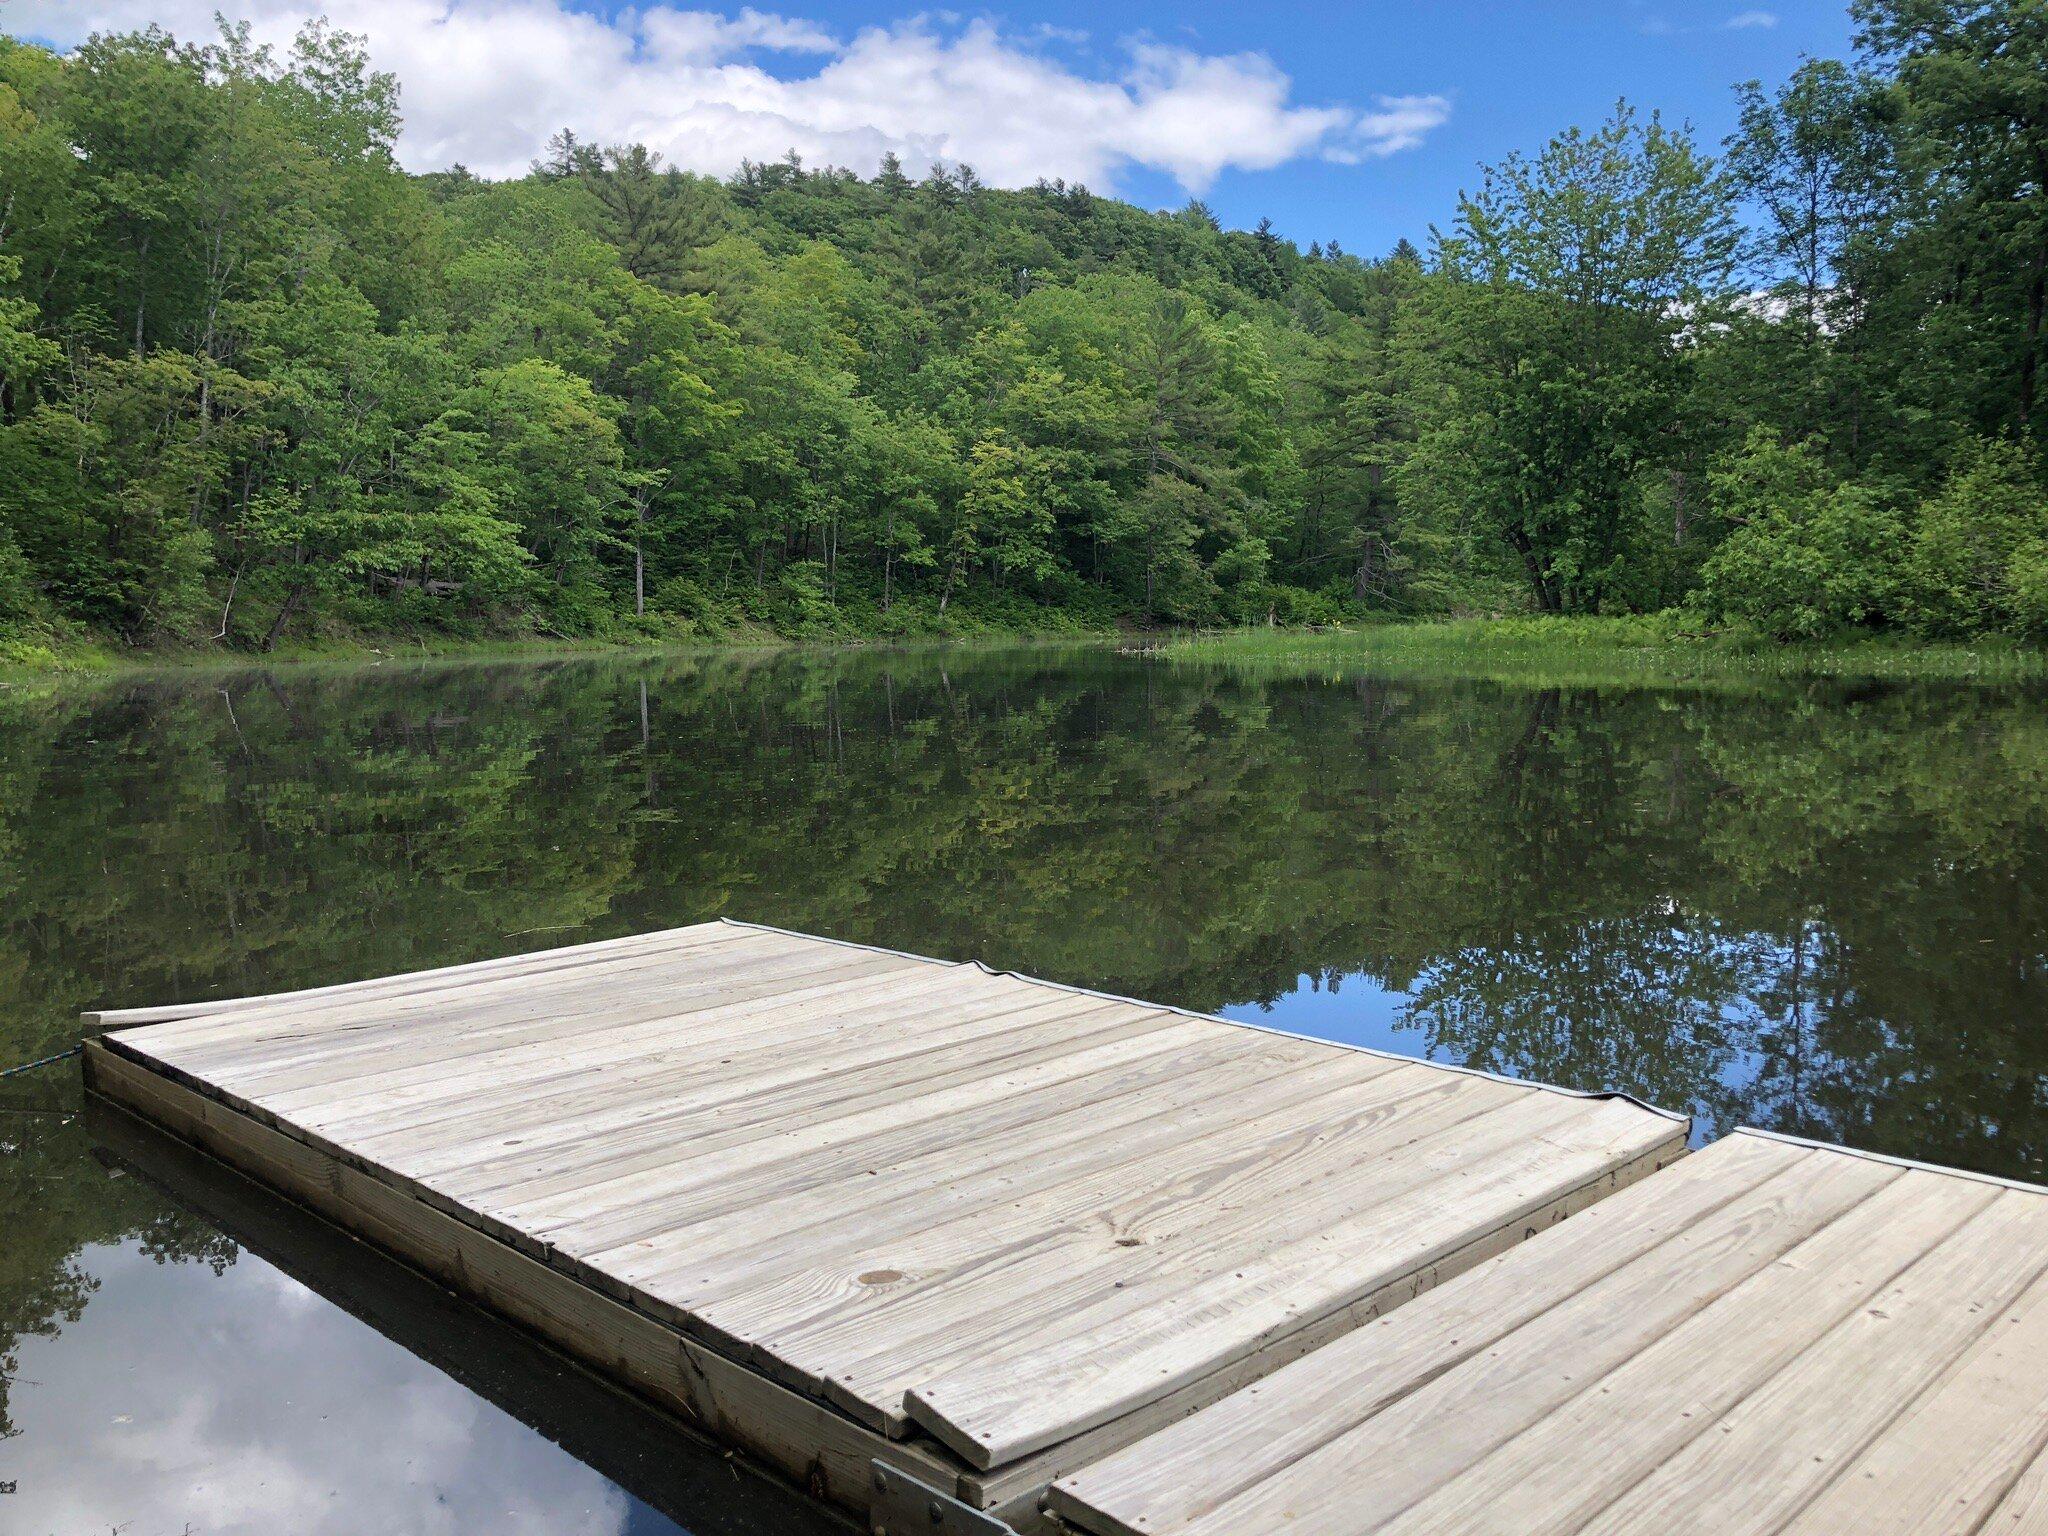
(247, 1404)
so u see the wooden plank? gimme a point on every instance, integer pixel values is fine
(764, 1242)
(1765, 1456)
(719, 1039)
(1459, 1415)
(462, 1054)
(1769, 1338)
(1162, 1229)
(853, 1119)
(346, 1037)
(228, 1022)
(831, 1110)
(825, 1320)
(864, 1175)
(1176, 1475)
(410, 981)
(858, 1107)
(1018, 1393)
(1007, 1486)
(601, 1107)
(1943, 1466)
(923, 1162)
(807, 1441)
(1674, 1388)
(2024, 1510)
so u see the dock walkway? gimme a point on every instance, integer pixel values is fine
(841, 1206)
(1768, 1339)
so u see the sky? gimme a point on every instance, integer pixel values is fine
(1359, 122)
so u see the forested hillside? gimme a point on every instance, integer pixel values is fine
(257, 384)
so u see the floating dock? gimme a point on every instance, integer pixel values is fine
(894, 1226)
(1769, 1339)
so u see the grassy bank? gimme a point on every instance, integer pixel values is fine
(1648, 651)
(45, 657)
(60, 649)
(1651, 650)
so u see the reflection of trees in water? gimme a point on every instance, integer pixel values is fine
(1635, 1003)
(1736, 1028)
(1818, 912)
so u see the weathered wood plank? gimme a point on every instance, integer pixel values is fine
(572, 1032)
(1176, 1475)
(980, 1047)
(1458, 1416)
(1004, 1486)
(416, 981)
(347, 1037)
(897, 1163)
(1767, 1454)
(2024, 1510)
(863, 1175)
(1017, 1395)
(1769, 1338)
(718, 1041)
(639, 1162)
(1945, 1463)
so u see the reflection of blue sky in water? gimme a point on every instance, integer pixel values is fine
(1745, 1050)
(1356, 1009)
(182, 1401)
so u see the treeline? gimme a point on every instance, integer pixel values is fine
(256, 382)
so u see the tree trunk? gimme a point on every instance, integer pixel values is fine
(888, 554)
(1544, 588)
(284, 615)
(639, 561)
(2030, 355)
(141, 288)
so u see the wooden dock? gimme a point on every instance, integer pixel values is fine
(885, 1222)
(1770, 1337)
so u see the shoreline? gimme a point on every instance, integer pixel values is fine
(82, 660)
(1648, 651)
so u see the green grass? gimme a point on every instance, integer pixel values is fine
(1652, 650)
(32, 664)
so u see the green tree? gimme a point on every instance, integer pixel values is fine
(1560, 345)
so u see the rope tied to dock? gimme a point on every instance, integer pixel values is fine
(45, 1061)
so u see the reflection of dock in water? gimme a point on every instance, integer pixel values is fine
(650, 1454)
(843, 1207)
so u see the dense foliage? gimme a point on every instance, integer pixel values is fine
(257, 382)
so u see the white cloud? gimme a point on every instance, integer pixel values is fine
(1400, 122)
(487, 81)
(1741, 21)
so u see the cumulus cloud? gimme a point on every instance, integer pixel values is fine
(1743, 21)
(486, 82)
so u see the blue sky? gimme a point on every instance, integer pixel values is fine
(1515, 75)
(1359, 122)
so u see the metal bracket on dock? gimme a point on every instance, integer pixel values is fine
(903, 1506)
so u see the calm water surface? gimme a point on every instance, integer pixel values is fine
(1816, 909)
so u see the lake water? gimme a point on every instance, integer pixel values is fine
(1817, 909)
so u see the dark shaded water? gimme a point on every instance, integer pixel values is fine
(1824, 911)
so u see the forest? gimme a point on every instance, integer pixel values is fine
(260, 386)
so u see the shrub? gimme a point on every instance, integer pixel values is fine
(1809, 554)
(1974, 543)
